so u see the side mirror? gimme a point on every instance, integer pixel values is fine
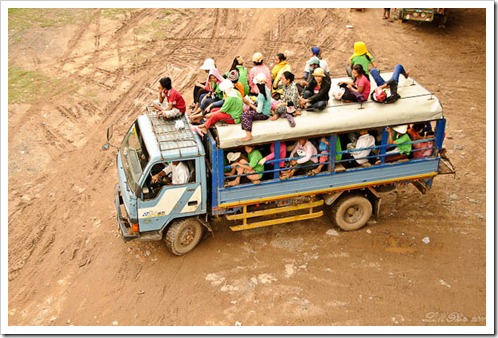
(109, 132)
(107, 145)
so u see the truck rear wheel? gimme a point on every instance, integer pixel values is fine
(183, 236)
(351, 212)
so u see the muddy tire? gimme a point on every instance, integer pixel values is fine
(351, 212)
(183, 236)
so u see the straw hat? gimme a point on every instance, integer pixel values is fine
(257, 57)
(319, 72)
(232, 157)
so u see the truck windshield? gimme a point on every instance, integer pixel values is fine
(134, 156)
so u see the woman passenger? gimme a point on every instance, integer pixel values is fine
(289, 103)
(360, 85)
(362, 56)
(259, 112)
(316, 93)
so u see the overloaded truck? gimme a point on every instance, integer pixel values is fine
(438, 15)
(179, 214)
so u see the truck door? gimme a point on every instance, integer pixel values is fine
(163, 202)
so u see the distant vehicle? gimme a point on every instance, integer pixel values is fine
(179, 213)
(438, 15)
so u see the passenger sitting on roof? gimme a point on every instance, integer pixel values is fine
(287, 106)
(174, 105)
(259, 112)
(323, 148)
(398, 136)
(258, 68)
(238, 65)
(392, 83)
(306, 160)
(199, 86)
(314, 63)
(316, 93)
(361, 56)
(210, 98)
(280, 67)
(179, 173)
(357, 158)
(230, 112)
(308, 70)
(353, 89)
(242, 166)
(233, 76)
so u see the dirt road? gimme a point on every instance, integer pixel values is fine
(74, 72)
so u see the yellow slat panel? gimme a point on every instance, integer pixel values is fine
(274, 210)
(276, 221)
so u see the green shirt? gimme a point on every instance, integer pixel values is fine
(233, 107)
(338, 148)
(402, 143)
(243, 78)
(363, 61)
(254, 157)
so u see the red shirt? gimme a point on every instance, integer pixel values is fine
(363, 82)
(174, 97)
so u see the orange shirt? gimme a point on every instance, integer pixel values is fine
(240, 87)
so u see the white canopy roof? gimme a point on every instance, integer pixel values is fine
(416, 105)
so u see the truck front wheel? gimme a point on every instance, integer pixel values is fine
(351, 212)
(183, 236)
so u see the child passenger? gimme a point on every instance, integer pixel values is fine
(242, 166)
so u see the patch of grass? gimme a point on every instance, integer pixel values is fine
(26, 86)
(117, 13)
(45, 17)
(21, 19)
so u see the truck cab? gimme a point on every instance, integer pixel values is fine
(144, 208)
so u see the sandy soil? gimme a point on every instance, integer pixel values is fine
(68, 266)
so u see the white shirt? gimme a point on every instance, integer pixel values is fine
(323, 65)
(364, 141)
(180, 173)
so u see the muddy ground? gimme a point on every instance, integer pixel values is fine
(74, 72)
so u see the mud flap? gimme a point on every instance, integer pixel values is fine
(421, 186)
(205, 223)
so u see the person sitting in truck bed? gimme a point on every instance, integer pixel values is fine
(230, 112)
(243, 166)
(398, 137)
(179, 173)
(271, 155)
(323, 148)
(357, 158)
(174, 106)
(306, 160)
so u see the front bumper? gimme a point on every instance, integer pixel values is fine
(124, 226)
